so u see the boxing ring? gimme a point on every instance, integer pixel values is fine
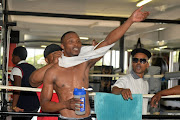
(4, 113)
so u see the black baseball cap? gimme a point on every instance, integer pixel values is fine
(141, 50)
(51, 48)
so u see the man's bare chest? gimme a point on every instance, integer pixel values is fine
(72, 78)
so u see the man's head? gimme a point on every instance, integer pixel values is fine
(19, 53)
(49, 51)
(140, 58)
(71, 44)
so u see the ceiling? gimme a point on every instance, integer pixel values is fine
(38, 30)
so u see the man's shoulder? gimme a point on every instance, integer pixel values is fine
(15, 69)
(126, 76)
(55, 67)
(25, 65)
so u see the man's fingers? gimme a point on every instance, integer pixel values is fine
(124, 96)
(94, 43)
(139, 9)
(154, 102)
(145, 14)
(57, 53)
(78, 101)
(78, 105)
(126, 93)
(131, 97)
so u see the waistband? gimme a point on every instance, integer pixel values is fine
(66, 118)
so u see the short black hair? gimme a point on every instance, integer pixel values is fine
(21, 52)
(51, 48)
(62, 38)
(141, 50)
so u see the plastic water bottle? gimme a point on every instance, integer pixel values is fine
(81, 94)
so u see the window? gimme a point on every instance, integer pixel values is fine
(36, 57)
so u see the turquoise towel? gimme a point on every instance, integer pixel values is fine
(114, 107)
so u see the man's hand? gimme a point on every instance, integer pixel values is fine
(17, 109)
(72, 104)
(56, 55)
(126, 94)
(155, 99)
(94, 43)
(138, 15)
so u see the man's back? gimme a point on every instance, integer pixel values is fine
(27, 100)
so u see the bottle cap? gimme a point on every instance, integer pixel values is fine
(79, 91)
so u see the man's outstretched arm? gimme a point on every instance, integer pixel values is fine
(117, 33)
(172, 91)
(36, 78)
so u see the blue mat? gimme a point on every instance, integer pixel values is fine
(114, 107)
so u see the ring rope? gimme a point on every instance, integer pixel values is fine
(90, 93)
(113, 75)
(147, 95)
(93, 115)
(20, 88)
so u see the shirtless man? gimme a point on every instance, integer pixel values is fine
(66, 79)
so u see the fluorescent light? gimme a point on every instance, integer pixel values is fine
(129, 50)
(162, 47)
(160, 28)
(157, 49)
(143, 3)
(43, 46)
(160, 43)
(84, 38)
(26, 37)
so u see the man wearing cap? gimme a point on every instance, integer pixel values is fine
(133, 83)
(51, 54)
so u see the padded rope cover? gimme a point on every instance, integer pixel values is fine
(114, 107)
(170, 75)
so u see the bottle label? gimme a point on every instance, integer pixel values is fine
(83, 108)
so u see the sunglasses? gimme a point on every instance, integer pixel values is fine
(142, 60)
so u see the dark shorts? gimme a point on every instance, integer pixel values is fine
(87, 118)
